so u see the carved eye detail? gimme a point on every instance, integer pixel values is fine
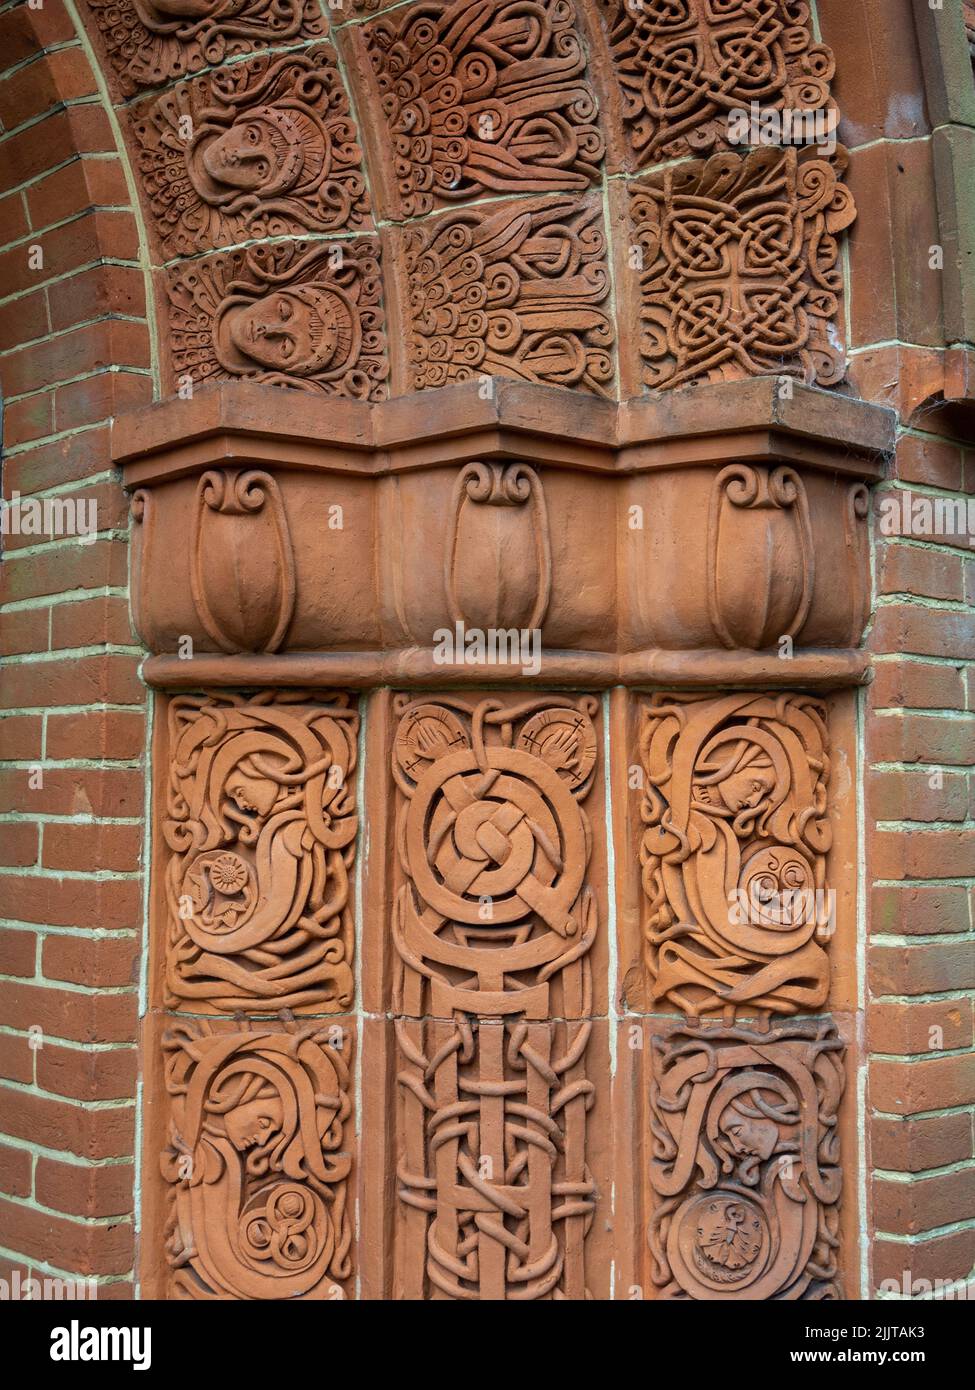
(285, 310)
(253, 135)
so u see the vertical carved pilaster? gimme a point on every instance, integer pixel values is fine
(493, 926)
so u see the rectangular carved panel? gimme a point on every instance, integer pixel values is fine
(745, 1166)
(493, 926)
(258, 1160)
(259, 828)
(737, 909)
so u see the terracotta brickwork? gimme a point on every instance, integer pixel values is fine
(487, 806)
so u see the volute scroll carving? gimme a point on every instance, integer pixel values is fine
(745, 1166)
(760, 556)
(498, 562)
(260, 825)
(257, 1162)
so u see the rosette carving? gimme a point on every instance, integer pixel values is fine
(734, 853)
(257, 1162)
(498, 561)
(746, 1165)
(260, 823)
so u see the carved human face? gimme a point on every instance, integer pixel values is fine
(252, 794)
(749, 1136)
(746, 788)
(252, 1125)
(283, 332)
(247, 157)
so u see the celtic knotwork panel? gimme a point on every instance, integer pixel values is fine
(258, 1161)
(485, 97)
(745, 1166)
(684, 65)
(492, 931)
(734, 852)
(150, 42)
(301, 314)
(520, 290)
(738, 261)
(260, 823)
(258, 149)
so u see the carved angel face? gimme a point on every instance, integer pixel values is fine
(261, 152)
(746, 788)
(296, 331)
(252, 795)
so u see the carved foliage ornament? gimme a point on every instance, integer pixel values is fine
(745, 1167)
(493, 929)
(257, 1162)
(738, 266)
(684, 65)
(257, 149)
(306, 315)
(485, 97)
(260, 824)
(520, 291)
(150, 42)
(734, 852)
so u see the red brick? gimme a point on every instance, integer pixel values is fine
(116, 734)
(23, 319)
(917, 684)
(61, 1125)
(81, 1247)
(922, 1204)
(74, 188)
(73, 902)
(102, 563)
(931, 462)
(18, 951)
(111, 677)
(61, 461)
(55, 139)
(18, 844)
(98, 397)
(15, 1171)
(79, 847)
(83, 1190)
(93, 347)
(106, 962)
(24, 630)
(16, 1059)
(27, 419)
(74, 1015)
(932, 1026)
(900, 627)
(50, 81)
(94, 236)
(921, 1084)
(933, 967)
(25, 31)
(910, 1146)
(114, 792)
(895, 796)
(921, 738)
(20, 737)
(93, 622)
(945, 1257)
(923, 854)
(85, 1074)
(105, 508)
(910, 569)
(95, 293)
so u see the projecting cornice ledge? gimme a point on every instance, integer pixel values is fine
(714, 535)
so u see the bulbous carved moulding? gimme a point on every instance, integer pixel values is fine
(719, 532)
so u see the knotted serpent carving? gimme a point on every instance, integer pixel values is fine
(493, 928)
(734, 853)
(257, 1161)
(745, 1162)
(261, 825)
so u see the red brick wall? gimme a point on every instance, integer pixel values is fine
(74, 349)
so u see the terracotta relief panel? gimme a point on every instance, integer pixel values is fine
(493, 928)
(738, 264)
(259, 828)
(258, 1161)
(480, 98)
(303, 314)
(149, 42)
(518, 289)
(745, 1163)
(265, 148)
(683, 65)
(738, 907)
